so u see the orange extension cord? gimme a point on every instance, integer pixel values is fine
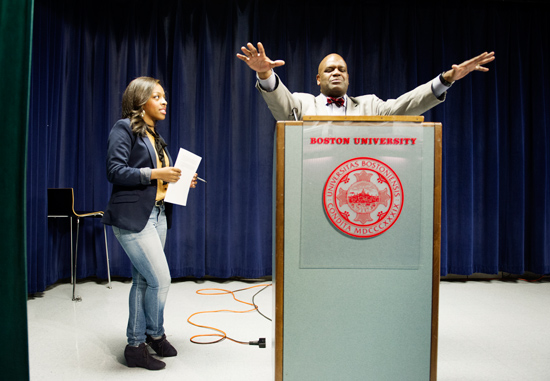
(221, 334)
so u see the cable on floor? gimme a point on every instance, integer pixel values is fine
(221, 335)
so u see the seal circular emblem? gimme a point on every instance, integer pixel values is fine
(363, 197)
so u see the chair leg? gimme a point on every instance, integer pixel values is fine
(72, 253)
(107, 255)
(75, 298)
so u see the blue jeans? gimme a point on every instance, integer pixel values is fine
(150, 277)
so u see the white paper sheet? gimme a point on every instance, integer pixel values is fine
(188, 162)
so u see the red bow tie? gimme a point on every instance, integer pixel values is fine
(339, 102)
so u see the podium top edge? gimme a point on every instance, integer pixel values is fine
(379, 118)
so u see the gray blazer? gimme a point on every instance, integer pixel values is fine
(415, 102)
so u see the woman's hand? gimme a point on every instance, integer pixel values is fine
(166, 174)
(193, 181)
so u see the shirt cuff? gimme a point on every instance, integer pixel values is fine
(438, 88)
(145, 175)
(268, 84)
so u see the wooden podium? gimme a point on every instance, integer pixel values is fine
(357, 239)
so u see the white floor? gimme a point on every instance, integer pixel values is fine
(488, 330)
(496, 330)
(85, 340)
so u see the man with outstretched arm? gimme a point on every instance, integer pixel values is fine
(333, 80)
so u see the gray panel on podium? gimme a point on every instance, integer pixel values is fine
(356, 308)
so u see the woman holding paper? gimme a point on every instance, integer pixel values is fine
(140, 168)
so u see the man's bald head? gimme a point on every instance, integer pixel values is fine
(332, 76)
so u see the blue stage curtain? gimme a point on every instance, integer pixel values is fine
(496, 170)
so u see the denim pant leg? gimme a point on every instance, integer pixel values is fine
(150, 277)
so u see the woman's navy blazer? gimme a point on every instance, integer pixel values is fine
(133, 195)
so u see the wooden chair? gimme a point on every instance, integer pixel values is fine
(61, 204)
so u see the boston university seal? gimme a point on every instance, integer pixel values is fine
(363, 197)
